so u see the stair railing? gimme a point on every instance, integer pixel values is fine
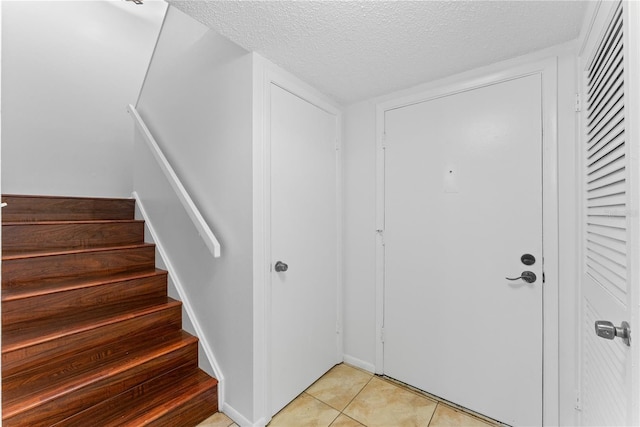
(205, 232)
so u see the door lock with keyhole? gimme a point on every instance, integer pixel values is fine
(528, 259)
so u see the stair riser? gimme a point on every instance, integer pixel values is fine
(125, 402)
(24, 237)
(43, 208)
(25, 358)
(66, 265)
(41, 306)
(49, 412)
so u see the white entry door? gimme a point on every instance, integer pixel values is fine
(304, 240)
(609, 286)
(463, 211)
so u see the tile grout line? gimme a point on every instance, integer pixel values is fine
(433, 413)
(324, 403)
(354, 398)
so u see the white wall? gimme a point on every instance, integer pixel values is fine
(69, 69)
(197, 102)
(359, 235)
(360, 334)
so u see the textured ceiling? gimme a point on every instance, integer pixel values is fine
(353, 50)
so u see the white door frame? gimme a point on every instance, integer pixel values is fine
(548, 72)
(265, 75)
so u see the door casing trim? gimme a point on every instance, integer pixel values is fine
(548, 70)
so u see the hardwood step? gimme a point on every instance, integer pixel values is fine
(89, 334)
(76, 363)
(27, 345)
(31, 236)
(59, 393)
(181, 398)
(53, 208)
(38, 265)
(31, 301)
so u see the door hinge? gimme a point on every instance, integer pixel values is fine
(544, 279)
(381, 234)
(577, 107)
(381, 334)
(337, 327)
(337, 144)
(578, 405)
(384, 140)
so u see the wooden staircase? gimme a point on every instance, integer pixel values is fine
(89, 335)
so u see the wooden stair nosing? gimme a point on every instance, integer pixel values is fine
(81, 389)
(149, 400)
(45, 253)
(33, 305)
(25, 353)
(28, 236)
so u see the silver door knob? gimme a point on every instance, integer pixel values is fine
(608, 331)
(281, 266)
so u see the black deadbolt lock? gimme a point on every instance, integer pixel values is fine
(528, 259)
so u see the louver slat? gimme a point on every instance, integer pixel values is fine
(605, 178)
(608, 200)
(601, 86)
(604, 250)
(602, 108)
(611, 124)
(608, 179)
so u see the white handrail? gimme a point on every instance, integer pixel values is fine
(193, 212)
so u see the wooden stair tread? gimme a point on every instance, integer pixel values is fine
(44, 384)
(31, 333)
(62, 284)
(156, 405)
(151, 401)
(15, 255)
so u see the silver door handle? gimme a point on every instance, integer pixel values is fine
(608, 331)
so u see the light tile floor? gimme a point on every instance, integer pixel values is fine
(349, 397)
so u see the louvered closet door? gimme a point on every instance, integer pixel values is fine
(609, 256)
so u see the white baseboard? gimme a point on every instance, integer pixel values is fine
(353, 361)
(239, 419)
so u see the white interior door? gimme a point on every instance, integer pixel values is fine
(304, 236)
(463, 204)
(609, 280)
